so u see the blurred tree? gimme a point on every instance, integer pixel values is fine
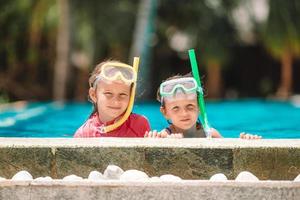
(142, 42)
(25, 43)
(206, 26)
(100, 30)
(62, 63)
(281, 37)
(112, 24)
(40, 24)
(216, 36)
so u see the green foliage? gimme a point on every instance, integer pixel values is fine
(3, 98)
(205, 21)
(26, 43)
(103, 29)
(281, 33)
(99, 25)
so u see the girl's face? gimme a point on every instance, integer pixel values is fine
(111, 99)
(182, 112)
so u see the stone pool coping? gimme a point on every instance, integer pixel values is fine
(155, 142)
(187, 189)
(196, 158)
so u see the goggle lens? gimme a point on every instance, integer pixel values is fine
(112, 71)
(187, 85)
(116, 71)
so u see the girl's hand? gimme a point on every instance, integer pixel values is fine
(162, 134)
(156, 134)
(249, 136)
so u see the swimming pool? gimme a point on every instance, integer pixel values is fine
(271, 119)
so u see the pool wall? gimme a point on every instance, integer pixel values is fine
(186, 158)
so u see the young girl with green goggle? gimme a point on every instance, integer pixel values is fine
(178, 96)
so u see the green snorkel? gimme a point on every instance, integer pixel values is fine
(203, 115)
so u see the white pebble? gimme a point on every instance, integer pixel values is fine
(246, 176)
(169, 178)
(95, 176)
(113, 172)
(218, 177)
(72, 178)
(46, 178)
(297, 179)
(133, 175)
(154, 179)
(22, 176)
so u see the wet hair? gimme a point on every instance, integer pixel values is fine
(158, 96)
(96, 71)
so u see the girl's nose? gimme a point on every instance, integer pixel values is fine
(184, 112)
(116, 99)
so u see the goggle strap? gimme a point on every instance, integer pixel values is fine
(200, 90)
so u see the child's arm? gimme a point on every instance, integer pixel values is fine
(215, 133)
(243, 135)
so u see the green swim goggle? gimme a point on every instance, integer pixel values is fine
(187, 85)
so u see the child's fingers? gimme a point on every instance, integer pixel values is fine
(163, 134)
(151, 134)
(158, 135)
(257, 137)
(179, 135)
(242, 135)
(154, 134)
(249, 136)
(146, 134)
(245, 136)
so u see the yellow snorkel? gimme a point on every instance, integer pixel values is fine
(106, 129)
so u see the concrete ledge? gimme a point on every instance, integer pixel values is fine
(189, 190)
(186, 158)
(141, 142)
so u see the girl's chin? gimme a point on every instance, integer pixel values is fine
(114, 115)
(110, 116)
(185, 127)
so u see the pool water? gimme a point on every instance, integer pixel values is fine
(271, 119)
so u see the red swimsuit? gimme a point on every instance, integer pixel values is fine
(135, 126)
